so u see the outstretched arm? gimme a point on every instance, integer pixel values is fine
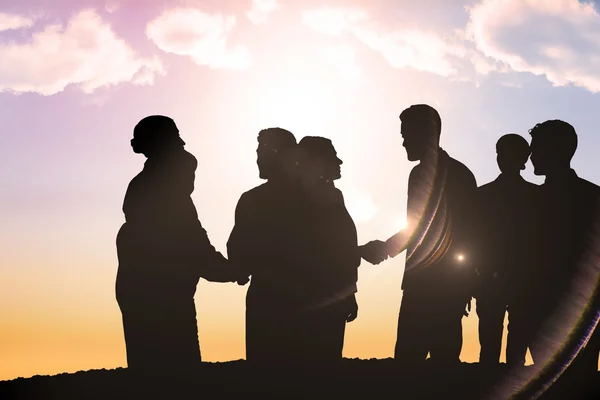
(214, 267)
(239, 245)
(377, 251)
(397, 243)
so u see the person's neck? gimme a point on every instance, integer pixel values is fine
(279, 179)
(559, 175)
(431, 157)
(512, 175)
(164, 152)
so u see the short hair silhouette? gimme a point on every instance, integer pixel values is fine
(157, 127)
(278, 138)
(316, 146)
(560, 135)
(422, 114)
(153, 133)
(513, 151)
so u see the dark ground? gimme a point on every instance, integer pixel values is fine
(353, 378)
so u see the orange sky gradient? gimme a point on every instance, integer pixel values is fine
(346, 74)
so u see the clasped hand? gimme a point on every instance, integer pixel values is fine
(374, 252)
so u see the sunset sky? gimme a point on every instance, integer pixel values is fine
(76, 76)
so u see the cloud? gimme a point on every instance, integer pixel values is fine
(559, 39)
(260, 10)
(423, 51)
(111, 7)
(199, 35)
(11, 22)
(86, 52)
(333, 21)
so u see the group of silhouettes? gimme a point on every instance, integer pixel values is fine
(530, 250)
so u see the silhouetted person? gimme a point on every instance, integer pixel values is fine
(504, 216)
(163, 251)
(568, 298)
(436, 279)
(262, 243)
(329, 252)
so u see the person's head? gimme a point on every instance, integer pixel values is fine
(553, 145)
(154, 134)
(273, 145)
(420, 126)
(512, 152)
(318, 160)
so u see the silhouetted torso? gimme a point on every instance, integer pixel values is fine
(439, 198)
(505, 219)
(328, 252)
(332, 257)
(436, 281)
(262, 241)
(569, 269)
(160, 228)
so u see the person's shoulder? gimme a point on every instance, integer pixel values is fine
(337, 193)
(487, 187)
(415, 171)
(258, 192)
(461, 171)
(532, 187)
(185, 160)
(589, 188)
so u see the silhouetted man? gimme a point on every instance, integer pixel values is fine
(435, 283)
(568, 304)
(262, 243)
(163, 251)
(328, 250)
(504, 216)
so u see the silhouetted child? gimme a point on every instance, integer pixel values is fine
(163, 251)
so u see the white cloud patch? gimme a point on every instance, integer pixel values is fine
(334, 21)
(199, 35)
(423, 51)
(10, 22)
(86, 52)
(559, 39)
(112, 7)
(261, 9)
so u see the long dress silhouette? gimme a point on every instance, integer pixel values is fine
(163, 251)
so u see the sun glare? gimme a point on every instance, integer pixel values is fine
(400, 223)
(361, 207)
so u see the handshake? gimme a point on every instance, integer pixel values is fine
(238, 274)
(375, 251)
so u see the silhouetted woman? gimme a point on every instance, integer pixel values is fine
(163, 251)
(330, 253)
